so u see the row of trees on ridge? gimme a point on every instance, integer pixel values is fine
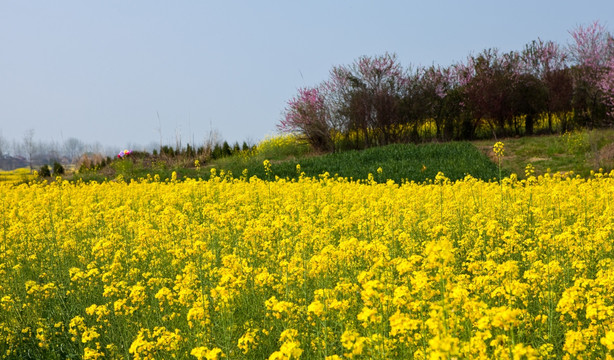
(545, 87)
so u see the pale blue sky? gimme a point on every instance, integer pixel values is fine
(103, 70)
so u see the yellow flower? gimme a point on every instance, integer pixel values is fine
(89, 335)
(247, 341)
(214, 354)
(529, 170)
(608, 340)
(92, 354)
(199, 352)
(316, 307)
(498, 148)
(290, 348)
(267, 167)
(574, 342)
(368, 315)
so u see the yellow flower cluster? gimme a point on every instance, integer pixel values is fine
(288, 144)
(314, 268)
(498, 149)
(17, 175)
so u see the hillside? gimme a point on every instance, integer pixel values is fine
(579, 152)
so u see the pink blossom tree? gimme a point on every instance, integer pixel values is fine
(369, 101)
(366, 97)
(591, 46)
(548, 62)
(591, 49)
(487, 92)
(307, 115)
(606, 86)
(539, 58)
(435, 84)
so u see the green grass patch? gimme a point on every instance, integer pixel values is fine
(399, 162)
(580, 151)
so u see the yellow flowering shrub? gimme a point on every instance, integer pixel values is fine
(312, 268)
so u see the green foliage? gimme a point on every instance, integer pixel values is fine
(576, 142)
(217, 152)
(167, 150)
(58, 169)
(226, 150)
(190, 151)
(399, 162)
(124, 167)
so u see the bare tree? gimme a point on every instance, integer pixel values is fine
(17, 148)
(152, 146)
(96, 147)
(52, 150)
(29, 146)
(177, 139)
(3, 144)
(159, 129)
(73, 148)
(213, 138)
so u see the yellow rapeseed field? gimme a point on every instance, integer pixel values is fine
(17, 175)
(319, 268)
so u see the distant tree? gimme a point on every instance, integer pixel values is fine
(591, 49)
(16, 147)
(3, 145)
(547, 61)
(606, 85)
(44, 171)
(529, 98)
(97, 147)
(366, 103)
(52, 150)
(488, 92)
(167, 150)
(307, 115)
(73, 147)
(226, 150)
(236, 148)
(189, 151)
(211, 140)
(435, 84)
(217, 151)
(367, 96)
(178, 141)
(29, 145)
(244, 147)
(58, 169)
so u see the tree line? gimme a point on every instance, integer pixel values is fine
(543, 88)
(38, 152)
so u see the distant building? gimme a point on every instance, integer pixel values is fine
(12, 162)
